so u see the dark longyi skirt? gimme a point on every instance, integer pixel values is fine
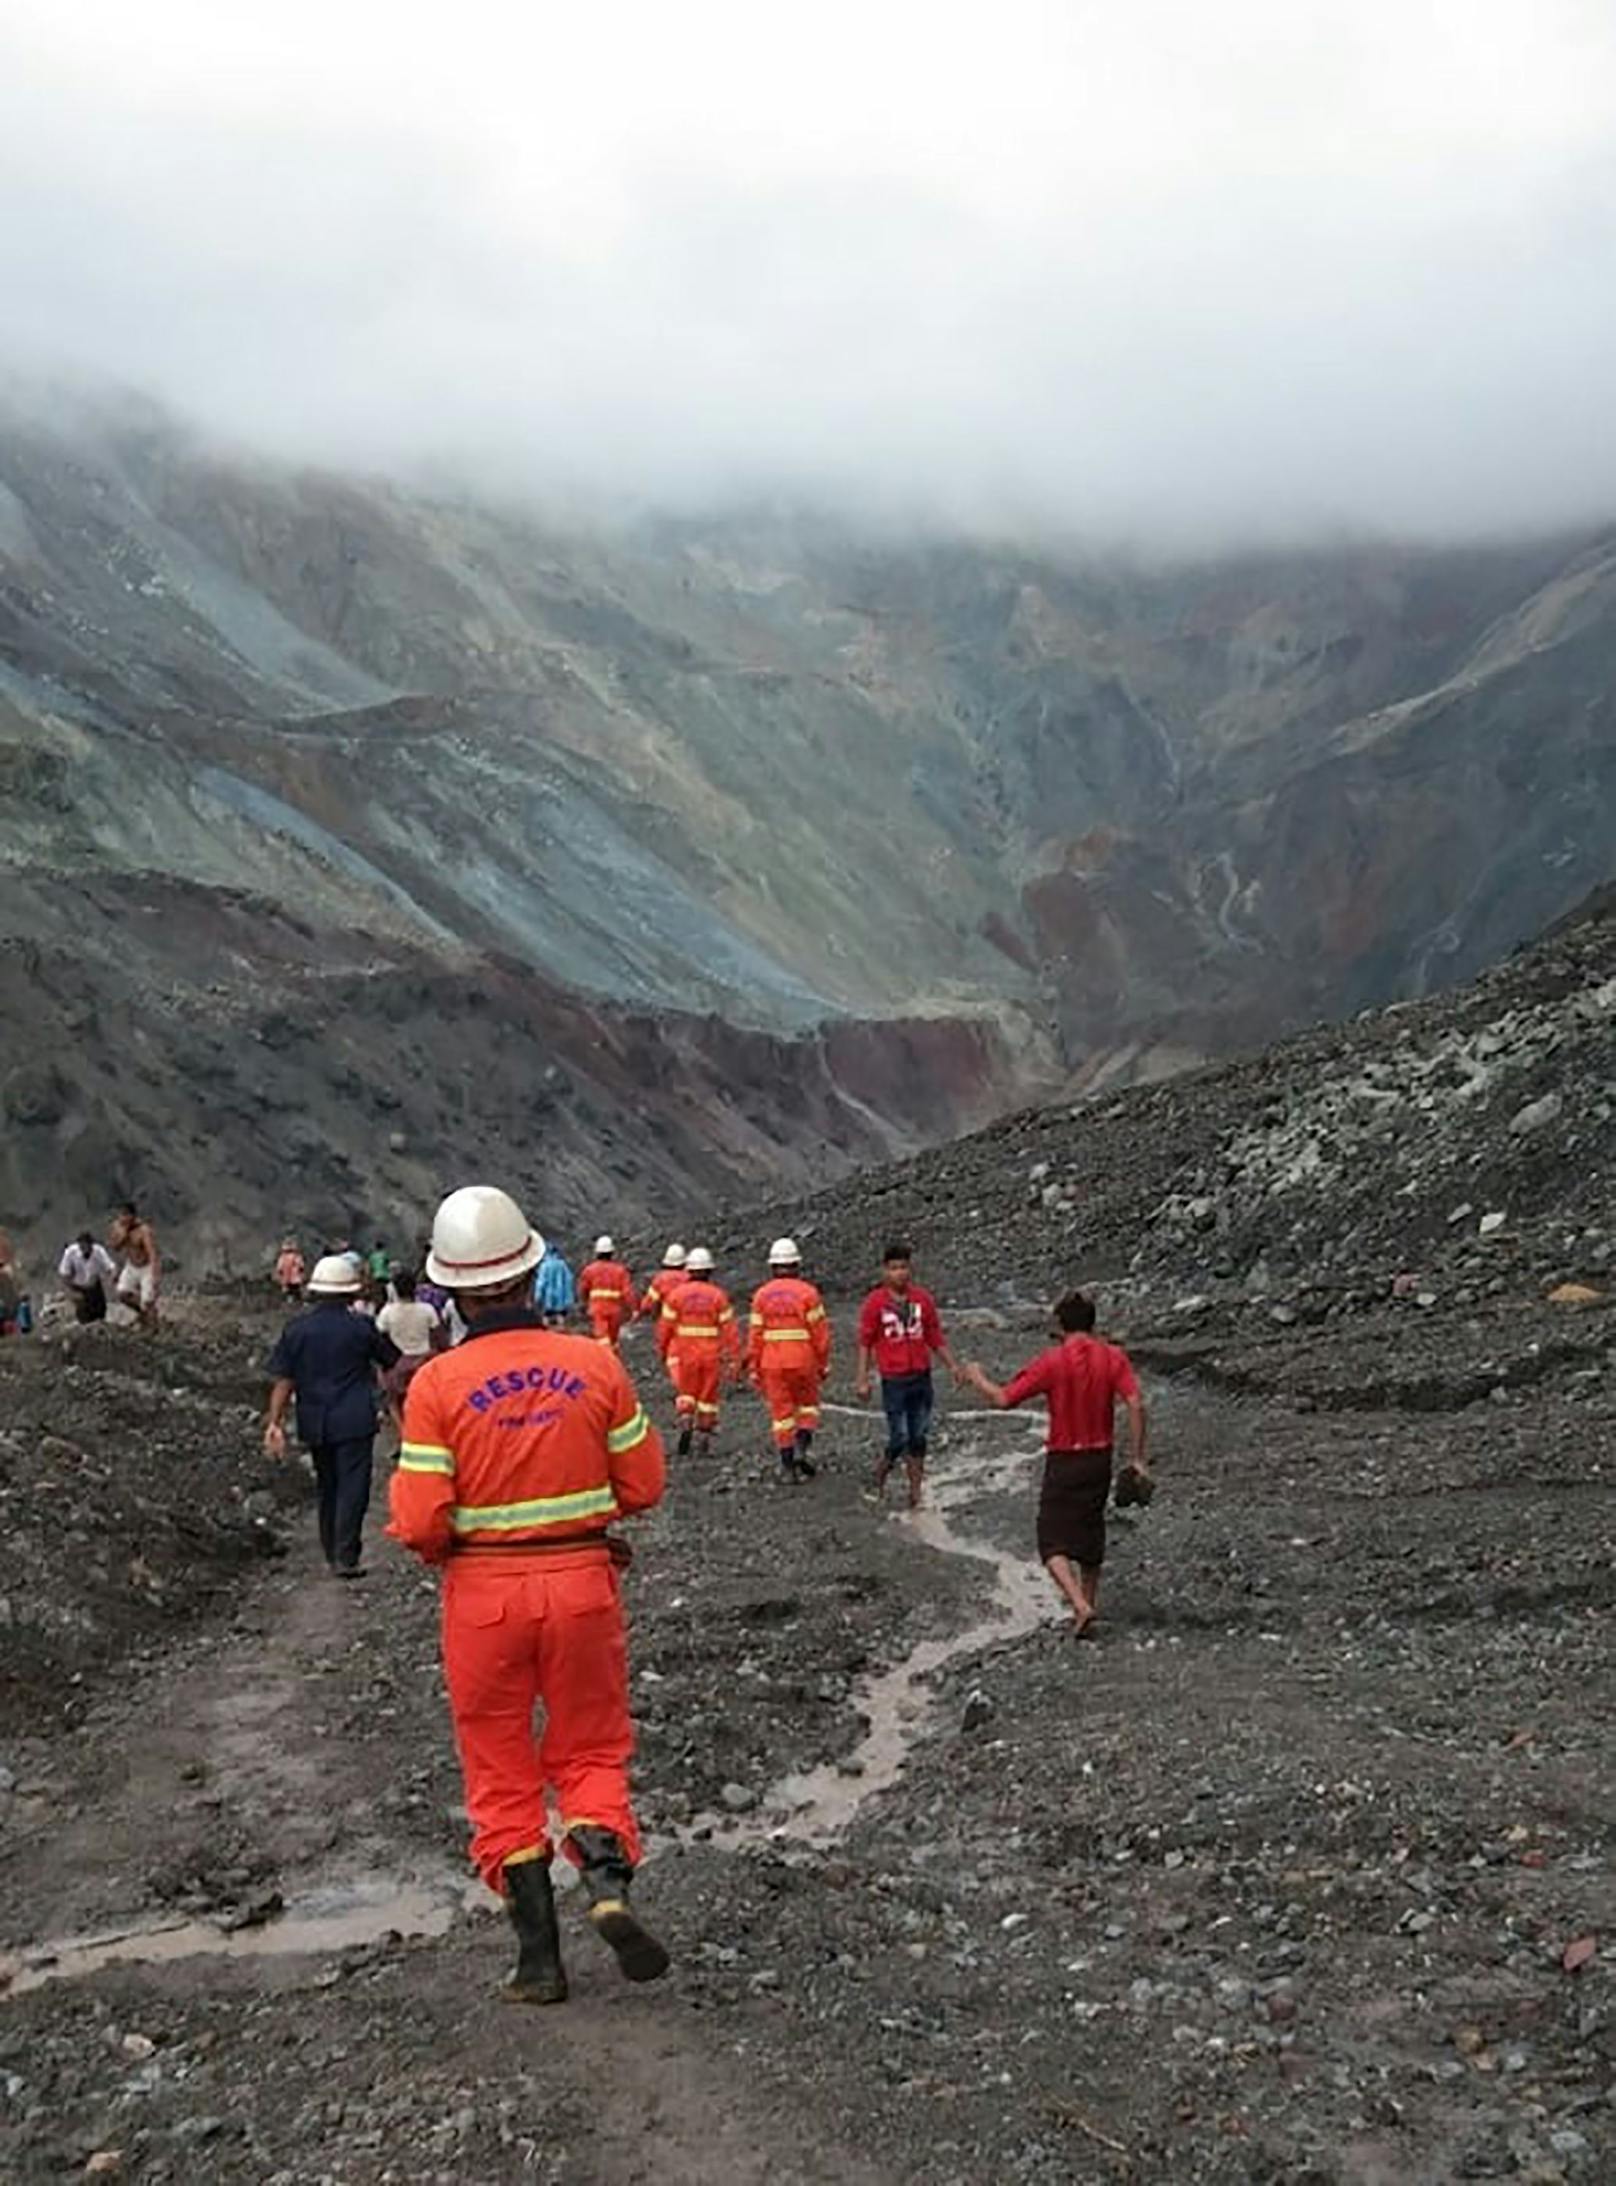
(1071, 1509)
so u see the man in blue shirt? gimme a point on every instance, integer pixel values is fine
(328, 1358)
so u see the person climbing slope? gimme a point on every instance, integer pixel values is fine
(520, 1448)
(788, 1356)
(1082, 1380)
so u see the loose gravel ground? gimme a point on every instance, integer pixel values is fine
(1289, 1877)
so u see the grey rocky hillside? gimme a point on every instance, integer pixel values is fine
(1453, 1151)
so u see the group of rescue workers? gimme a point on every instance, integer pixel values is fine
(522, 1443)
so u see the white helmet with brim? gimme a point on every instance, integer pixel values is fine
(481, 1240)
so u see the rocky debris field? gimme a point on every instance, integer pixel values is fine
(130, 1501)
(1460, 1149)
(1302, 1872)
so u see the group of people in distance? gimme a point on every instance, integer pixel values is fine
(126, 1270)
(524, 1445)
(784, 1354)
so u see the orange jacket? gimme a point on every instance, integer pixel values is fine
(659, 1289)
(789, 1326)
(608, 1283)
(696, 1317)
(521, 1434)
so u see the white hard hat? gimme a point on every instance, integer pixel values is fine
(604, 1248)
(783, 1253)
(481, 1240)
(674, 1257)
(698, 1261)
(335, 1276)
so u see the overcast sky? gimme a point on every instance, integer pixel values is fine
(1173, 268)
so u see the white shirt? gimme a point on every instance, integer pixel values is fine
(79, 1269)
(411, 1323)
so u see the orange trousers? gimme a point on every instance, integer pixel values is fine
(607, 1323)
(792, 1395)
(525, 1631)
(698, 1379)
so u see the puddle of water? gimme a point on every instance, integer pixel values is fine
(816, 1806)
(321, 1922)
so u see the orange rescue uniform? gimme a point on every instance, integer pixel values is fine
(657, 1293)
(698, 1339)
(606, 1291)
(519, 1449)
(788, 1354)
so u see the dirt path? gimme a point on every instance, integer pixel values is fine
(227, 1843)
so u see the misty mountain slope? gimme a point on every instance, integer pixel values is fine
(769, 766)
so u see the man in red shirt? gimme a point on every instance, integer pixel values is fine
(899, 1332)
(1081, 1379)
(520, 1448)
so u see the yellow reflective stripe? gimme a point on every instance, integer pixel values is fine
(547, 1510)
(816, 1313)
(425, 1457)
(594, 1294)
(697, 1328)
(786, 1335)
(756, 1319)
(630, 1435)
(780, 1425)
(728, 1314)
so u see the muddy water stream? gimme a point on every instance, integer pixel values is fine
(816, 1806)
(811, 1807)
(335, 1919)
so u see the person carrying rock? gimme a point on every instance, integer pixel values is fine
(1082, 1380)
(89, 1271)
(788, 1356)
(520, 1448)
(328, 1358)
(701, 1348)
(899, 1334)
(607, 1290)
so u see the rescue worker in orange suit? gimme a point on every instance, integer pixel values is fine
(788, 1356)
(698, 1338)
(606, 1290)
(520, 1447)
(667, 1279)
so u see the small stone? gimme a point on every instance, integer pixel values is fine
(738, 1798)
(1491, 1224)
(978, 1710)
(1536, 1115)
(138, 2045)
(104, 2163)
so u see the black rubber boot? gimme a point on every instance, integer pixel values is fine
(687, 1435)
(606, 1873)
(805, 1455)
(540, 1977)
